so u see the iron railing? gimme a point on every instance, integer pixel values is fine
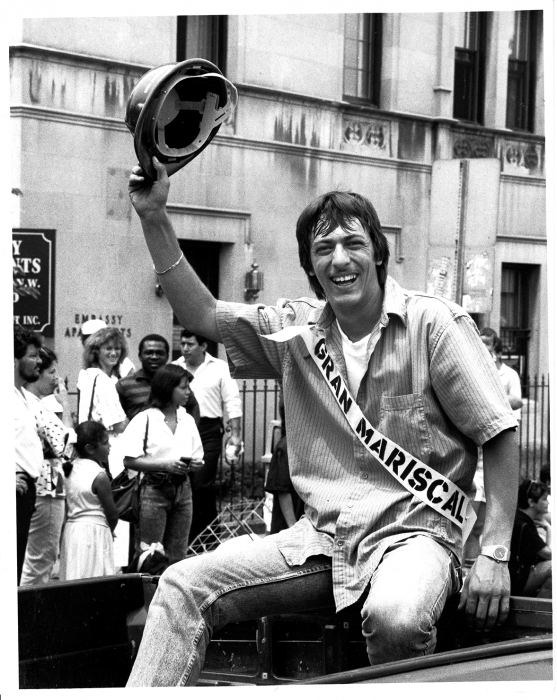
(260, 400)
(534, 436)
(260, 406)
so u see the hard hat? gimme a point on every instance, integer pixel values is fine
(92, 326)
(176, 110)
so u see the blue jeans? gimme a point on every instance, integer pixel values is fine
(406, 596)
(165, 517)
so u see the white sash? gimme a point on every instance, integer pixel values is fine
(422, 481)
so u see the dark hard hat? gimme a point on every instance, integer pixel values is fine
(176, 110)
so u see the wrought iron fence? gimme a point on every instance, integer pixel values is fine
(260, 400)
(534, 436)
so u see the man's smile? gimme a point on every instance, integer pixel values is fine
(343, 280)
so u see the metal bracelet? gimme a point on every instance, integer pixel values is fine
(163, 272)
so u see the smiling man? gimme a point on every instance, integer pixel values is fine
(135, 389)
(388, 394)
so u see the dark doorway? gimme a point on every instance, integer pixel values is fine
(518, 284)
(204, 258)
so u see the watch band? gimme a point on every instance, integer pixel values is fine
(497, 552)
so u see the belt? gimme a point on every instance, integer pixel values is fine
(160, 478)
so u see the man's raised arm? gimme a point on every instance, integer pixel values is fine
(191, 301)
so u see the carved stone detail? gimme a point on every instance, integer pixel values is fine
(363, 136)
(472, 147)
(521, 157)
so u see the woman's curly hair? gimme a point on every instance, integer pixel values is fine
(96, 340)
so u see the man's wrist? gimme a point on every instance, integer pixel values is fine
(496, 552)
(157, 216)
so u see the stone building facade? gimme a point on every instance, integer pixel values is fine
(437, 117)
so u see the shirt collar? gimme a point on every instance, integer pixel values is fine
(394, 302)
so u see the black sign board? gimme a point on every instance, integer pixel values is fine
(33, 277)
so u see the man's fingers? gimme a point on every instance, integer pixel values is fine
(161, 169)
(504, 606)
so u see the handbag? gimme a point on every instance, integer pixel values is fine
(125, 490)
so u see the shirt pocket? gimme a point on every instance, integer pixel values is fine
(402, 420)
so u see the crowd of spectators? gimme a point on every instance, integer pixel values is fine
(146, 421)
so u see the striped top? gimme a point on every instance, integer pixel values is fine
(431, 386)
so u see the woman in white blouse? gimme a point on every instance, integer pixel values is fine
(163, 442)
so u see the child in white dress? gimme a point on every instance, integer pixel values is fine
(87, 542)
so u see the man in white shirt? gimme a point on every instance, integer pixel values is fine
(28, 448)
(218, 395)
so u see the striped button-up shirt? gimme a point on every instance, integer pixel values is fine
(431, 386)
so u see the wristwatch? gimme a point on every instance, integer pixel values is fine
(497, 552)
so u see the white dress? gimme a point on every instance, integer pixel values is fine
(87, 548)
(106, 409)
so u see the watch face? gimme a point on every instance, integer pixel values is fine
(500, 553)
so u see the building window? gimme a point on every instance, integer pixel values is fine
(469, 69)
(521, 82)
(203, 36)
(362, 57)
(516, 282)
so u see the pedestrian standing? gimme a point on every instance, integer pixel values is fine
(218, 396)
(87, 542)
(163, 444)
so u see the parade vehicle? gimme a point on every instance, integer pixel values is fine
(86, 633)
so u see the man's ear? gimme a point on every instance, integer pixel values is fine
(89, 449)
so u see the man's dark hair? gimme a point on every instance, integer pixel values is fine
(530, 489)
(328, 212)
(154, 337)
(23, 337)
(165, 380)
(489, 333)
(188, 334)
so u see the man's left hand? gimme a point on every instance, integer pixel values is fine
(485, 594)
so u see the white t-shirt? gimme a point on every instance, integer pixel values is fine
(356, 360)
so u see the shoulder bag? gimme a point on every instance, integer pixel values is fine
(125, 490)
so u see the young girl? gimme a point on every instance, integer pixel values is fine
(87, 548)
(163, 441)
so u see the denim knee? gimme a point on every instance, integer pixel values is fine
(395, 631)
